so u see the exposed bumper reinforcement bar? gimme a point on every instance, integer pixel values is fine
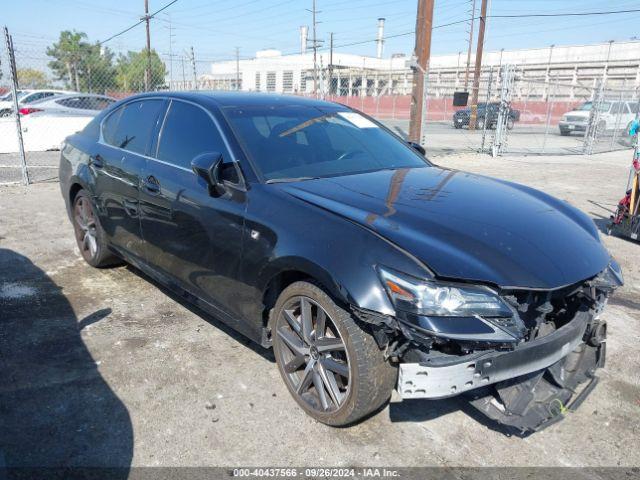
(419, 380)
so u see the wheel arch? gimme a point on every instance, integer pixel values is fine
(74, 188)
(285, 271)
(75, 184)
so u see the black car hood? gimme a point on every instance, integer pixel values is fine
(465, 226)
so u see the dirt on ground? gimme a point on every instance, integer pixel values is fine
(105, 367)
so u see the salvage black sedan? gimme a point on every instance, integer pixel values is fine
(311, 228)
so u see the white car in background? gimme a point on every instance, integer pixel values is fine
(613, 115)
(26, 97)
(46, 123)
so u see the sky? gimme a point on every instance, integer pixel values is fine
(214, 28)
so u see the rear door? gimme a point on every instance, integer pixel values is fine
(118, 163)
(192, 238)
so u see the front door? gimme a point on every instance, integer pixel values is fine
(191, 237)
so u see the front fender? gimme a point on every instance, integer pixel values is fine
(289, 234)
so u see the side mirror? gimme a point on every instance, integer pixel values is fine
(419, 148)
(207, 166)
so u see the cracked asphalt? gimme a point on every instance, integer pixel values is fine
(106, 368)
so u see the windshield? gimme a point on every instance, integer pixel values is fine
(585, 106)
(294, 142)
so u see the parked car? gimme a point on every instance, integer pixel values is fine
(71, 104)
(47, 122)
(8, 96)
(312, 229)
(26, 97)
(613, 115)
(487, 113)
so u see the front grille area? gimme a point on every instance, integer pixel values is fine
(575, 119)
(543, 312)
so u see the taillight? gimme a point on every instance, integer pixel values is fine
(28, 110)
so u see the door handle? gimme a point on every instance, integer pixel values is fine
(97, 161)
(151, 185)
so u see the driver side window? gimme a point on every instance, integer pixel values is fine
(188, 131)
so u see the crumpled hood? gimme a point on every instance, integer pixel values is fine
(465, 226)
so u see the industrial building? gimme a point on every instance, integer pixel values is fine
(574, 69)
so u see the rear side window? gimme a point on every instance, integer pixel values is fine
(188, 131)
(85, 103)
(109, 126)
(134, 125)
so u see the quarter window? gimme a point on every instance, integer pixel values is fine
(188, 131)
(135, 126)
(109, 126)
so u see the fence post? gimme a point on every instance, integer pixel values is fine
(591, 133)
(549, 113)
(504, 112)
(16, 113)
(488, 99)
(616, 128)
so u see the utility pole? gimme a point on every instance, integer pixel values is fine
(330, 63)
(147, 72)
(476, 74)
(171, 35)
(184, 78)
(193, 66)
(315, 42)
(466, 74)
(237, 68)
(424, 25)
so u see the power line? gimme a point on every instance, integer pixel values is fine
(142, 20)
(565, 14)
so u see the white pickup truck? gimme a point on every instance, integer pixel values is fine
(613, 115)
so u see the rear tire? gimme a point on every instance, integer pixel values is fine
(480, 124)
(336, 386)
(510, 124)
(90, 236)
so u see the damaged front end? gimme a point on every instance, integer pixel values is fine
(523, 357)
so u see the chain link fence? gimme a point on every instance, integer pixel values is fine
(62, 86)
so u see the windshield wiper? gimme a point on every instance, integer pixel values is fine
(290, 179)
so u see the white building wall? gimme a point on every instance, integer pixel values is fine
(584, 61)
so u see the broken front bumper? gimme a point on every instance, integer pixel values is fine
(527, 388)
(421, 380)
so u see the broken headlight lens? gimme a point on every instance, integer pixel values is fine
(430, 297)
(610, 278)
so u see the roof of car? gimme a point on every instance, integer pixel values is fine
(229, 99)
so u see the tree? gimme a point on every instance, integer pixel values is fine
(131, 71)
(31, 78)
(81, 65)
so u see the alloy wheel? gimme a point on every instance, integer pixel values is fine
(85, 228)
(314, 356)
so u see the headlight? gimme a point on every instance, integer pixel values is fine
(564, 118)
(429, 297)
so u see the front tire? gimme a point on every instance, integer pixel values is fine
(89, 234)
(333, 368)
